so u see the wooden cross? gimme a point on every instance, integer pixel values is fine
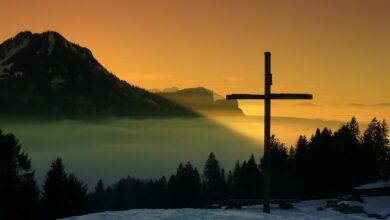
(267, 122)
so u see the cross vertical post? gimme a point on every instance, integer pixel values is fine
(267, 131)
(267, 96)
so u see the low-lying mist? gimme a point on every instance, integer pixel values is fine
(114, 148)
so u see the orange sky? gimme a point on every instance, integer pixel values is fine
(337, 49)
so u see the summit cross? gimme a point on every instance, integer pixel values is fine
(267, 96)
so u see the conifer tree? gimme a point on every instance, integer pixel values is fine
(345, 165)
(185, 187)
(77, 195)
(385, 158)
(320, 161)
(215, 182)
(18, 189)
(229, 185)
(281, 169)
(99, 197)
(236, 181)
(376, 145)
(63, 195)
(251, 179)
(55, 194)
(386, 173)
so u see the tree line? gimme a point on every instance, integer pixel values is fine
(325, 165)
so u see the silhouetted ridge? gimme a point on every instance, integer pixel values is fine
(203, 101)
(45, 74)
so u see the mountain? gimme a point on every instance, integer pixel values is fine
(203, 101)
(171, 89)
(46, 75)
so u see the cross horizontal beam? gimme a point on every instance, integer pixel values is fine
(272, 96)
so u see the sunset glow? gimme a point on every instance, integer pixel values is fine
(194, 109)
(337, 50)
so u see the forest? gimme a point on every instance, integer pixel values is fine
(325, 165)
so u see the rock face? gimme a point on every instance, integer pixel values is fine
(203, 101)
(46, 75)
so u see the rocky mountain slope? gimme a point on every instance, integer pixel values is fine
(46, 75)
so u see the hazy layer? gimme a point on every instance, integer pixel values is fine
(308, 109)
(112, 149)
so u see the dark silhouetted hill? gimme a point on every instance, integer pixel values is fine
(46, 75)
(203, 101)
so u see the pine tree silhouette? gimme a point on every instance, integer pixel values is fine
(77, 195)
(185, 187)
(63, 195)
(55, 193)
(215, 183)
(281, 170)
(18, 189)
(376, 143)
(99, 199)
(236, 181)
(251, 179)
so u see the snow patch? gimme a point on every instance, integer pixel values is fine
(52, 41)
(135, 93)
(305, 210)
(19, 73)
(70, 46)
(14, 50)
(351, 203)
(99, 67)
(73, 48)
(4, 70)
(377, 205)
(377, 185)
(65, 44)
(151, 102)
(57, 82)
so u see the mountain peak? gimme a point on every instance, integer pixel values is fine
(29, 34)
(27, 52)
(55, 33)
(41, 43)
(45, 73)
(23, 35)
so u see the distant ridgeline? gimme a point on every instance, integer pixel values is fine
(202, 100)
(45, 75)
